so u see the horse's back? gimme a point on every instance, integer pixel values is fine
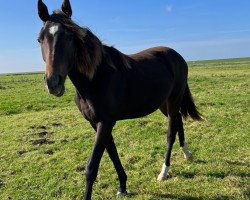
(160, 56)
(159, 52)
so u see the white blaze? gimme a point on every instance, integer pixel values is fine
(53, 29)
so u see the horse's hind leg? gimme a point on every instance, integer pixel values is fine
(171, 136)
(175, 125)
(183, 145)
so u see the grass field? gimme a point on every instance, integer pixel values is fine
(45, 142)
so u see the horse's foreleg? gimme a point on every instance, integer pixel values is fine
(171, 135)
(113, 154)
(103, 135)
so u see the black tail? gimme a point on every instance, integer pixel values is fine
(188, 107)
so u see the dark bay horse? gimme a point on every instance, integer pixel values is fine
(112, 86)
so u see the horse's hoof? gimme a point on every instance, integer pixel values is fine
(161, 177)
(121, 194)
(164, 171)
(188, 156)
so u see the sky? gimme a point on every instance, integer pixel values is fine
(197, 29)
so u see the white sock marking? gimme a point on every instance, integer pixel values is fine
(187, 153)
(53, 29)
(164, 172)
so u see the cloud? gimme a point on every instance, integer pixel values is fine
(168, 8)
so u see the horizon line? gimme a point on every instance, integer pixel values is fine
(188, 61)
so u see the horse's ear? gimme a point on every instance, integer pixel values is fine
(66, 8)
(43, 11)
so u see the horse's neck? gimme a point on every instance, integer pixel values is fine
(80, 81)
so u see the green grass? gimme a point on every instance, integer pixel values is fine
(55, 169)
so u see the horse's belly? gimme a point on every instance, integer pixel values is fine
(141, 102)
(136, 113)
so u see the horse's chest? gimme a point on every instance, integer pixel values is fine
(87, 110)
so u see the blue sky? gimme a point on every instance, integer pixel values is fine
(197, 29)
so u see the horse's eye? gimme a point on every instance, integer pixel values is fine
(38, 40)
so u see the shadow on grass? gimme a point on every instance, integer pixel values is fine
(238, 163)
(200, 161)
(185, 197)
(187, 175)
(219, 175)
(242, 175)
(154, 196)
(171, 196)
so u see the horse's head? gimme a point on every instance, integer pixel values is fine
(57, 44)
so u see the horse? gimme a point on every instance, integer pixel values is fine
(112, 86)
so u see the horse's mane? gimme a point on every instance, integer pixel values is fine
(90, 51)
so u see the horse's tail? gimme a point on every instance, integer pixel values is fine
(188, 107)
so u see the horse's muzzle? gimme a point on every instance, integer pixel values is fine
(55, 85)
